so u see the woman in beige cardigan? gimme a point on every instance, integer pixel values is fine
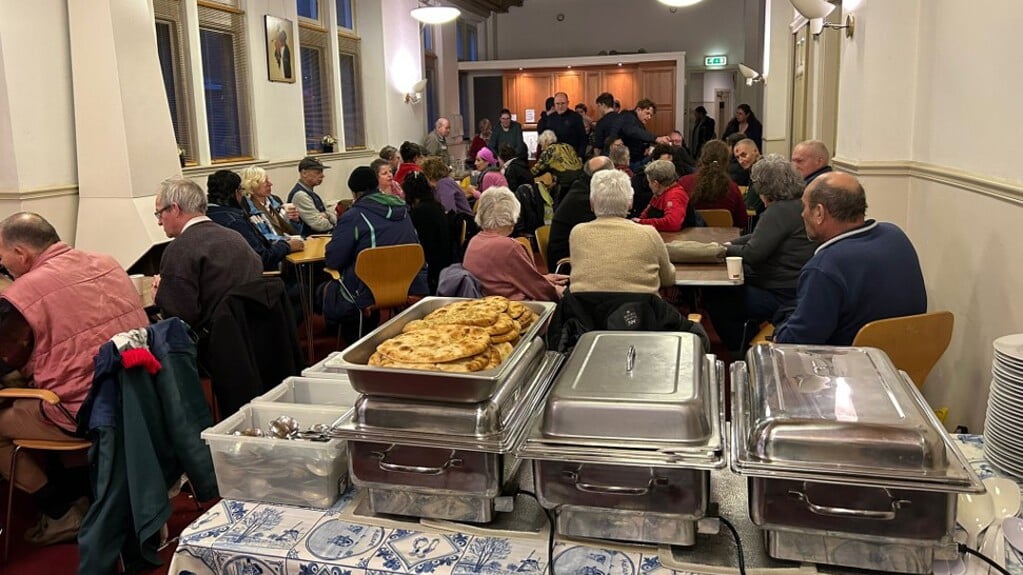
(612, 253)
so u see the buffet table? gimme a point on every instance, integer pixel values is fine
(235, 537)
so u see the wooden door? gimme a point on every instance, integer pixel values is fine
(622, 84)
(571, 83)
(658, 85)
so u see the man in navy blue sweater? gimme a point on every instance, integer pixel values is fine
(863, 270)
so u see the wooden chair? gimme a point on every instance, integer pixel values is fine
(543, 239)
(914, 342)
(388, 272)
(716, 218)
(70, 444)
(527, 243)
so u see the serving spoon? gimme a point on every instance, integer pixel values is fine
(1013, 529)
(1005, 499)
(974, 513)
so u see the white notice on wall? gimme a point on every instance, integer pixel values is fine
(530, 116)
(515, 117)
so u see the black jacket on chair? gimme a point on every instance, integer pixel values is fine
(577, 314)
(252, 345)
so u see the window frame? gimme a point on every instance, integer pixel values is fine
(242, 78)
(312, 36)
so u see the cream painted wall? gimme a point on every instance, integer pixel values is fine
(532, 31)
(908, 92)
(37, 143)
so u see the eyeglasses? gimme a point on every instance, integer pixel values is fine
(159, 213)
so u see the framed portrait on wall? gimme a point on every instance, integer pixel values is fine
(280, 43)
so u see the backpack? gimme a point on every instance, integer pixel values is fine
(532, 212)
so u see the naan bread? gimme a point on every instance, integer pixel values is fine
(463, 313)
(477, 362)
(414, 325)
(503, 350)
(436, 344)
(516, 309)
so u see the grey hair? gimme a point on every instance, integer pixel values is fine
(440, 122)
(252, 178)
(28, 229)
(596, 164)
(184, 192)
(547, 138)
(747, 142)
(498, 208)
(661, 171)
(611, 193)
(619, 154)
(777, 179)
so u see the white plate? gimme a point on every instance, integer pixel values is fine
(1008, 360)
(1007, 377)
(1010, 345)
(1006, 390)
(1005, 442)
(1006, 419)
(1000, 457)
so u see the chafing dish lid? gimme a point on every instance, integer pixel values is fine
(826, 408)
(631, 386)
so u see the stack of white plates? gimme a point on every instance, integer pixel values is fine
(1003, 442)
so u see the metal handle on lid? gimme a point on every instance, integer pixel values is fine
(588, 487)
(417, 469)
(630, 359)
(887, 515)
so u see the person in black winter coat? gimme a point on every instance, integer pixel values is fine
(516, 169)
(431, 225)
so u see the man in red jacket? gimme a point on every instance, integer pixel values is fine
(63, 305)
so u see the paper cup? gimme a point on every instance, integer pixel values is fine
(137, 280)
(734, 265)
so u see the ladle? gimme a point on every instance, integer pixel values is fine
(1005, 499)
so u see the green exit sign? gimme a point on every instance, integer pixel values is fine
(715, 61)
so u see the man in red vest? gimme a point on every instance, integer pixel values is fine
(63, 305)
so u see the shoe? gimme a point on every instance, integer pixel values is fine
(61, 530)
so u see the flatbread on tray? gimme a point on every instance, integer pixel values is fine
(477, 362)
(436, 344)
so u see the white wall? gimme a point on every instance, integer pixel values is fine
(37, 143)
(922, 118)
(532, 31)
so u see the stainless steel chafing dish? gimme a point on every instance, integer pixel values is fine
(430, 385)
(847, 464)
(629, 435)
(447, 460)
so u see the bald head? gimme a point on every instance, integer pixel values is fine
(810, 156)
(443, 126)
(23, 236)
(598, 163)
(746, 153)
(833, 203)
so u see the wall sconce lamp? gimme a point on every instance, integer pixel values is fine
(415, 94)
(751, 75)
(816, 11)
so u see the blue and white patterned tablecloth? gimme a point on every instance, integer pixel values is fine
(244, 538)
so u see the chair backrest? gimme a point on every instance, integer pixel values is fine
(716, 218)
(914, 342)
(543, 238)
(527, 243)
(388, 272)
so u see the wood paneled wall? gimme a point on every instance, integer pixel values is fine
(628, 83)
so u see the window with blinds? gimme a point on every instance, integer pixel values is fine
(345, 15)
(170, 47)
(316, 86)
(225, 72)
(353, 115)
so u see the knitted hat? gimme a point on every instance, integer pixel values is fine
(487, 156)
(362, 180)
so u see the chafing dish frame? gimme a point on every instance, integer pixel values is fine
(432, 385)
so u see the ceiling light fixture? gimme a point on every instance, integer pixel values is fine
(679, 3)
(430, 14)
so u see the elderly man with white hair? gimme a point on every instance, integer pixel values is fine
(612, 253)
(502, 265)
(436, 142)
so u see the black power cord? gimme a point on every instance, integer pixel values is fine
(550, 531)
(964, 549)
(738, 544)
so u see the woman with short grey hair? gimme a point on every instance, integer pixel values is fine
(773, 255)
(502, 265)
(613, 254)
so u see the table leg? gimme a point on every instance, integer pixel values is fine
(305, 293)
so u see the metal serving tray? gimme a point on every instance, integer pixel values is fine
(431, 385)
(839, 415)
(517, 422)
(484, 419)
(635, 386)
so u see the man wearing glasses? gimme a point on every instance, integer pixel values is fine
(567, 125)
(508, 132)
(205, 260)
